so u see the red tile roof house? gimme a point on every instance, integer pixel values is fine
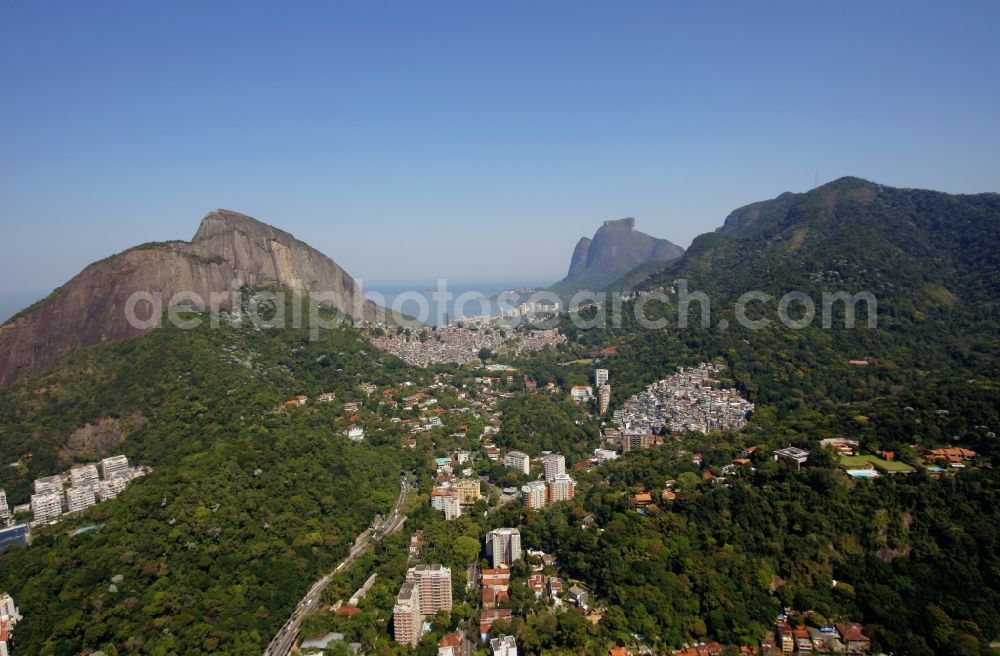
(536, 583)
(488, 616)
(852, 636)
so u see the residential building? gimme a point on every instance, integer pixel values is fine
(579, 596)
(555, 464)
(605, 454)
(853, 638)
(78, 498)
(600, 378)
(504, 545)
(434, 587)
(46, 506)
(8, 609)
(115, 467)
(4, 509)
(488, 616)
(792, 454)
(518, 461)
(355, 433)
(450, 644)
(446, 500)
(468, 491)
(111, 488)
(561, 488)
(603, 398)
(84, 476)
(407, 620)
(497, 578)
(534, 495)
(581, 393)
(635, 441)
(48, 485)
(504, 645)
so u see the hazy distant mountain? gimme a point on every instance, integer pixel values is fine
(617, 247)
(229, 250)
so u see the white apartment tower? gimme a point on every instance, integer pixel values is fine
(600, 377)
(505, 546)
(114, 467)
(555, 464)
(78, 498)
(518, 460)
(446, 501)
(84, 476)
(49, 485)
(46, 506)
(4, 509)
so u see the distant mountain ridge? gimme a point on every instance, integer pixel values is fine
(228, 251)
(616, 248)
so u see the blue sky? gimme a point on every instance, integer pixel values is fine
(472, 140)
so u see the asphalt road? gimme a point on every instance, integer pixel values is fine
(282, 643)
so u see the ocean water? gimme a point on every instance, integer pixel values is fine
(423, 301)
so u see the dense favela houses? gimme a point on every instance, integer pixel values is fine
(688, 401)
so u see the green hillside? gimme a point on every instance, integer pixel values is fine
(245, 505)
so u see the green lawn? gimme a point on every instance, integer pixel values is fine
(858, 462)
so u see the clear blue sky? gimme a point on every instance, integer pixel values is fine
(465, 139)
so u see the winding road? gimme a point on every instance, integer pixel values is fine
(282, 643)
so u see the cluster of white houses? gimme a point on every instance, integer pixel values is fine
(87, 487)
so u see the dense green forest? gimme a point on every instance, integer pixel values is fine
(245, 507)
(914, 558)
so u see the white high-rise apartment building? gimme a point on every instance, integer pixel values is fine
(534, 495)
(561, 488)
(504, 545)
(600, 377)
(78, 498)
(84, 476)
(446, 501)
(49, 485)
(114, 467)
(4, 509)
(518, 460)
(555, 464)
(46, 506)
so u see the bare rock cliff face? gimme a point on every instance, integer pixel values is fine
(230, 250)
(616, 248)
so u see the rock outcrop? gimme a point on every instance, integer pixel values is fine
(229, 251)
(616, 249)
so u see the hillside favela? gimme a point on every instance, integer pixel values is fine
(511, 329)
